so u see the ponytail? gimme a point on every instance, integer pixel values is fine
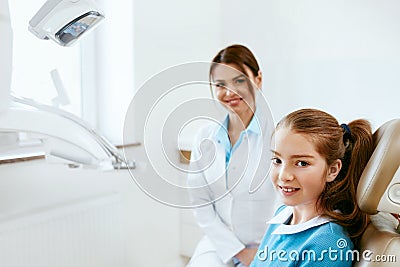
(340, 195)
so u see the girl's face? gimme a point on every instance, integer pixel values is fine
(299, 172)
(232, 88)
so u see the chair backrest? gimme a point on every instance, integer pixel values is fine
(378, 194)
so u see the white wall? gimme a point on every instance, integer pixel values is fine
(169, 33)
(108, 69)
(173, 32)
(5, 55)
(341, 56)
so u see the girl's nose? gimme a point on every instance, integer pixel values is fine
(285, 174)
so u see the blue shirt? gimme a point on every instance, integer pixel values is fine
(223, 137)
(317, 242)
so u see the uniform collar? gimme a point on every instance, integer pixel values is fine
(282, 217)
(254, 127)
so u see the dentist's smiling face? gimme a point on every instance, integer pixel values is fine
(299, 172)
(233, 88)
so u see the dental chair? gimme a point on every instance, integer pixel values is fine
(378, 194)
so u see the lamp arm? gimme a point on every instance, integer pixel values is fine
(30, 116)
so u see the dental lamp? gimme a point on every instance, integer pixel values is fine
(65, 21)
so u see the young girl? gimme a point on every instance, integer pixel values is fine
(317, 164)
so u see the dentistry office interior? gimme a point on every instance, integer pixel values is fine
(89, 161)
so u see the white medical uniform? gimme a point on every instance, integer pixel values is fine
(234, 218)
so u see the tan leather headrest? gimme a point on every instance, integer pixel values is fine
(381, 169)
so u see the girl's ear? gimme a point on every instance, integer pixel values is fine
(334, 170)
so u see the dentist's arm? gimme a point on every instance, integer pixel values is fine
(226, 243)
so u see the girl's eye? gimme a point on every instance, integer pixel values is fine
(219, 85)
(302, 164)
(276, 161)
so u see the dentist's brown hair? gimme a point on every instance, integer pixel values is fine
(238, 55)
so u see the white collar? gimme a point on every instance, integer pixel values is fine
(283, 217)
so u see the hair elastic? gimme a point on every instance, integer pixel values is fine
(346, 134)
(346, 128)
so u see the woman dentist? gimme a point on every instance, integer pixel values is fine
(227, 156)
